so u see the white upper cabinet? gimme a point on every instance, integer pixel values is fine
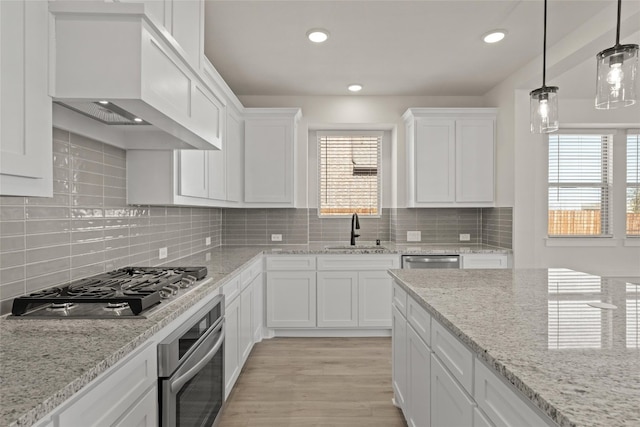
(25, 106)
(450, 158)
(269, 156)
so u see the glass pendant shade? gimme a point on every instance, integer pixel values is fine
(544, 109)
(617, 74)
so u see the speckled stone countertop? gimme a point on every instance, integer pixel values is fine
(386, 248)
(44, 362)
(581, 373)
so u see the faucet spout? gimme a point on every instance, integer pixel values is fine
(355, 225)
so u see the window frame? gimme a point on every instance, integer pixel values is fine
(608, 228)
(629, 132)
(353, 133)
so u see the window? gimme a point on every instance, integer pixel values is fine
(579, 185)
(349, 173)
(633, 184)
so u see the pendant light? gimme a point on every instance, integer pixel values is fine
(617, 69)
(544, 100)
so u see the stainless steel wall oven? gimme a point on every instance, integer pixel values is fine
(191, 370)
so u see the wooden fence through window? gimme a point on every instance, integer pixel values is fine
(585, 223)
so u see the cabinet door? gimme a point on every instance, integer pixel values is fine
(374, 299)
(246, 325)
(194, 181)
(217, 185)
(434, 161)
(474, 160)
(450, 405)
(418, 399)
(291, 299)
(231, 345)
(234, 166)
(399, 357)
(188, 27)
(258, 308)
(337, 299)
(480, 261)
(26, 165)
(144, 413)
(268, 161)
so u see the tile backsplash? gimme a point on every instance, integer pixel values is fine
(87, 227)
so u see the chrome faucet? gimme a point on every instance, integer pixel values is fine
(355, 225)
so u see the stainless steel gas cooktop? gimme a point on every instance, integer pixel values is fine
(129, 292)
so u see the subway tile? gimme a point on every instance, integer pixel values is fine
(60, 186)
(12, 201)
(115, 181)
(86, 165)
(58, 199)
(87, 270)
(8, 291)
(12, 259)
(94, 201)
(12, 243)
(45, 212)
(110, 150)
(87, 178)
(87, 259)
(114, 171)
(87, 248)
(46, 253)
(60, 147)
(12, 213)
(47, 267)
(79, 141)
(12, 228)
(61, 160)
(47, 281)
(115, 161)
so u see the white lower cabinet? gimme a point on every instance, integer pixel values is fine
(231, 345)
(246, 325)
(480, 419)
(337, 303)
(450, 404)
(291, 299)
(116, 399)
(481, 261)
(418, 398)
(142, 414)
(399, 358)
(257, 320)
(374, 299)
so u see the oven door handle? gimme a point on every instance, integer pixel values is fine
(176, 385)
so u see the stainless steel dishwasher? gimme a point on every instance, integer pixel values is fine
(431, 261)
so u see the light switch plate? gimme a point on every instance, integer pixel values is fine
(414, 236)
(162, 253)
(276, 237)
(465, 237)
(207, 241)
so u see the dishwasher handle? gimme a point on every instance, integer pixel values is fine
(431, 261)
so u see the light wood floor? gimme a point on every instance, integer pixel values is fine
(319, 382)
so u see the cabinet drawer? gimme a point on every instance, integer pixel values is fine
(420, 320)
(453, 354)
(231, 290)
(399, 298)
(250, 272)
(287, 263)
(108, 399)
(479, 419)
(501, 404)
(357, 262)
(480, 261)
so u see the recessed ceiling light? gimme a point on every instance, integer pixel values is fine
(103, 102)
(494, 36)
(318, 35)
(355, 87)
(137, 119)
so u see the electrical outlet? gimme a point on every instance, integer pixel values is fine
(465, 237)
(414, 236)
(276, 237)
(207, 241)
(162, 253)
(207, 256)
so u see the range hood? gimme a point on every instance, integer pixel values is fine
(119, 77)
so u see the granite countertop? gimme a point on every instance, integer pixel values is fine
(44, 362)
(578, 364)
(363, 247)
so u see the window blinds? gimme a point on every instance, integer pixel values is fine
(349, 174)
(633, 184)
(579, 185)
(633, 316)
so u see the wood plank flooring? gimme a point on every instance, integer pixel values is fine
(315, 382)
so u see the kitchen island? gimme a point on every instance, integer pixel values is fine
(574, 363)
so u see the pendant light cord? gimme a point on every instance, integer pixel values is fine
(544, 45)
(618, 26)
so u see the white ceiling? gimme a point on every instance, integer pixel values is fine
(391, 47)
